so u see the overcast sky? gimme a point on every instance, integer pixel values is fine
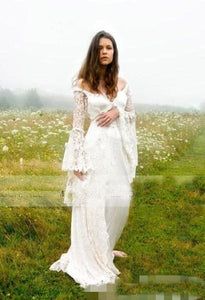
(161, 45)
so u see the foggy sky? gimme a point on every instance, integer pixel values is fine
(161, 45)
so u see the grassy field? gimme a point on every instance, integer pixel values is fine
(33, 142)
(165, 231)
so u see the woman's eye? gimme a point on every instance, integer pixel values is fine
(100, 48)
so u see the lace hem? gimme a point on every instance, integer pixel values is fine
(108, 279)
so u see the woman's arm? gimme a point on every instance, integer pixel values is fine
(75, 157)
(127, 126)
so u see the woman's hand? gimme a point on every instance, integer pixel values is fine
(80, 175)
(106, 118)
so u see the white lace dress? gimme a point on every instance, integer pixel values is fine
(100, 203)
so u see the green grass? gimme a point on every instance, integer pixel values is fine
(164, 234)
(193, 160)
(30, 239)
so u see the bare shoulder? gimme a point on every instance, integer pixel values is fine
(79, 83)
(82, 84)
(121, 83)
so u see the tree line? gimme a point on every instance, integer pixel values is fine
(28, 99)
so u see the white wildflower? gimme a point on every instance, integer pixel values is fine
(14, 131)
(5, 148)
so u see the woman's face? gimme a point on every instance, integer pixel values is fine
(106, 51)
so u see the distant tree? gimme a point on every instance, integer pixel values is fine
(7, 99)
(32, 99)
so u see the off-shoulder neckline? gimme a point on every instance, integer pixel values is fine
(76, 87)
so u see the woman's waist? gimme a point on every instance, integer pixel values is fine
(93, 122)
(96, 131)
(110, 127)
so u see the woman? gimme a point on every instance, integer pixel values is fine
(100, 164)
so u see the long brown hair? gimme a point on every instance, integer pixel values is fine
(90, 69)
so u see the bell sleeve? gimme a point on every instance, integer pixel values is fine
(75, 156)
(127, 126)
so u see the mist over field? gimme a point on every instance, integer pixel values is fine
(161, 48)
(46, 101)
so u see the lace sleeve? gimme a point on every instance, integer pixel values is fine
(127, 127)
(129, 110)
(75, 156)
